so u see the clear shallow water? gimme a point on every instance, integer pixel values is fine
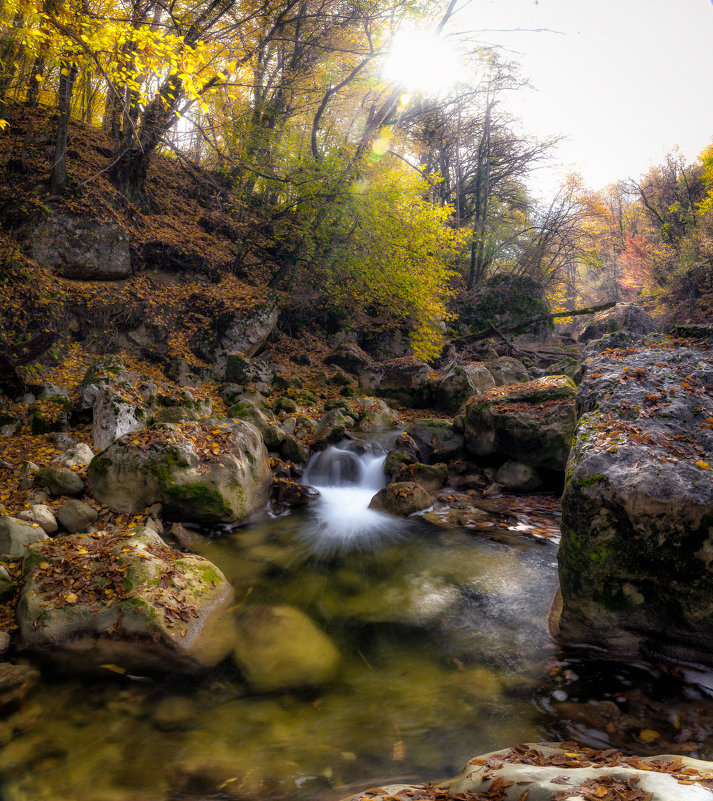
(444, 654)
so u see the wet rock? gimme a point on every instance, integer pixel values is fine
(286, 492)
(203, 472)
(165, 612)
(407, 380)
(623, 317)
(505, 371)
(518, 477)
(16, 681)
(374, 415)
(17, 535)
(42, 515)
(531, 423)
(280, 648)
(60, 481)
(436, 440)
(402, 498)
(332, 428)
(431, 477)
(76, 516)
(292, 450)
(636, 547)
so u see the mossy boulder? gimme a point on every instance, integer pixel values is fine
(407, 380)
(402, 498)
(622, 317)
(280, 648)
(505, 371)
(124, 599)
(460, 383)
(505, 300)
(637, 510)
(532, 423)
(205, 472)
(374, 414)
(60, 481)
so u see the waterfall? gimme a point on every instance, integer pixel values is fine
(348, 476)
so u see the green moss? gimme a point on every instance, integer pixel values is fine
(100, 465)
(589, 481)
(205, 503)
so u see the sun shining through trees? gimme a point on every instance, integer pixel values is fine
(422, 62)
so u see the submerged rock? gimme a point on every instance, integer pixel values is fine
(637, 549)
(122, 599)
(280, 648)
(204, 472)
(531, 423)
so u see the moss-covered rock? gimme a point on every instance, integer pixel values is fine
(123, 599)
(407, 380)
(435, 440)
(60, 481)
(279, 648)
(532, 423)
(204, 472)
(403, 498)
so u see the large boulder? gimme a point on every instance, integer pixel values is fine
(205, 472)
(435, 440)
(505, 371)
(637, 543)
(407, 380)
(505, 300)
(531, 423)
(279, 648)
(624, 317)
(374, 414)
(403, 498)
(547, 771)
(350, 357)
(114, 416)
(16, 535)
(81, 248)
(125, 599)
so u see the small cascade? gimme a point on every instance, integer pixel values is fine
(348, 476)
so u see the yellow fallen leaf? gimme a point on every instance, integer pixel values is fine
(703, 465)
(114, 668)
(648, 735)
(44, 565)
(71, 598)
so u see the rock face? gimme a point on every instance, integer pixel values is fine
(637, 511)
(407, 380)
(622, 317)
(550, 771)
(77, 248)
(280, 648)
(200, 471)
(125, 599)
(532, 423)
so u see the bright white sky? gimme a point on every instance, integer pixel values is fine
(625, 80)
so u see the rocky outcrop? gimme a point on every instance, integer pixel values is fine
(637, 511)
(407, 380)
(547, 771)
(201, 471)
(84, 249)
(505, 371)
(531, 423)
(460, 383)
(125, 599)
(624, 317)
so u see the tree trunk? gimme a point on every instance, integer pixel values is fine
(33, 90)
(58, 177)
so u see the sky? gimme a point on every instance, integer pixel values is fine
(624, 81)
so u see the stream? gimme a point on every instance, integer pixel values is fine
(444, 655)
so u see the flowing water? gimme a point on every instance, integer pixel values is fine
(444, 654)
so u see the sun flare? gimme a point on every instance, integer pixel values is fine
(422, 62)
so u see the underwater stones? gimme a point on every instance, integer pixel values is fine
(15, 682)
(531, 423)
(161, 607)
(403, 498)
(17, 535)
(280, 647)
(205, 472)
(636, 551)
